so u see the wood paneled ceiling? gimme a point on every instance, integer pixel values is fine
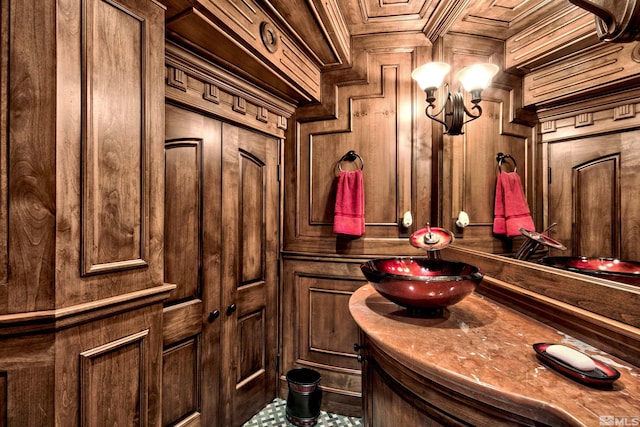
(500, 19)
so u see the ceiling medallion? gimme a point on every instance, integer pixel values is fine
(269, 36)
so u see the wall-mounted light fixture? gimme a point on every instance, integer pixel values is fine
(473, 78)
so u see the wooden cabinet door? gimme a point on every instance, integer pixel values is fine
(249, 230)
(191, 333)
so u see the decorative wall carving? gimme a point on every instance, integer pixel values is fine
(557, 34)
(210, 89)
(601, 120)
(243, 37)
(597, 70)
(176, 78)
(211, 93)
(624, 112)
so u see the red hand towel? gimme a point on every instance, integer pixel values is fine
(511, 208)
(349, 210)
(499, 222)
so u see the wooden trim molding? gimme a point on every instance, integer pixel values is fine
(54, 320)
(212, 90)
(591, 121)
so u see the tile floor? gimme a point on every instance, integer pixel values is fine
(273, 415)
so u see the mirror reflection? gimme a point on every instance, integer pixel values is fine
(585, 217)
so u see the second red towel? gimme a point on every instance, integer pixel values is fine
(511, 211)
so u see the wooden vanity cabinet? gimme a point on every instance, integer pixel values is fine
(396, 395)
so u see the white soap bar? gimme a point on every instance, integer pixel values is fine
(571, 357)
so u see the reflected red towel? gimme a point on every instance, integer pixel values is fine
(349, 210)
(511, 211)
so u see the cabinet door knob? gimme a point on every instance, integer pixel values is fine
(356, 347)
(231, 309)
(213, 315)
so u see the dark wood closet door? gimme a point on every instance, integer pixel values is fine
(592, 195)
(191, 332)
(250, 204)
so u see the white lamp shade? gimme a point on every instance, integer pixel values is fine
(431, 74)
(477, 76)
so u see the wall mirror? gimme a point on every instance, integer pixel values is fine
(589, 196)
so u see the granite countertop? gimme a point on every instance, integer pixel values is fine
(484, 350)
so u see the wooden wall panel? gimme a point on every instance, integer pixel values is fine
(180, 381)
(115, 229)
(4, 144)
(108, 155)
(318, 329)
(4, 395)
(377, 116)
(111, 395)
(469, 167)
(27, 380)
(328, 334)
(31, 140)
(109, 370)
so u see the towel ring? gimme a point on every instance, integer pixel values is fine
(351, 156)
(501, 157)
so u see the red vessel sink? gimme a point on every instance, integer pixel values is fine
(423, 285)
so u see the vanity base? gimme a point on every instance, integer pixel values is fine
(395, 395)
(475, 367)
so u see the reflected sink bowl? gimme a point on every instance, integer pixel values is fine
(422, 285)
(604, 268)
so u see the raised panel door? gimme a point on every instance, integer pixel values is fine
(249, 228)
(585, 184)
(191, 332)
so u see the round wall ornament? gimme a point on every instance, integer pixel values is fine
(269, 36)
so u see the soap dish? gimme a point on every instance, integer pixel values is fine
(602, 375)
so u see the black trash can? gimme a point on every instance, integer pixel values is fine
(305, 395)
